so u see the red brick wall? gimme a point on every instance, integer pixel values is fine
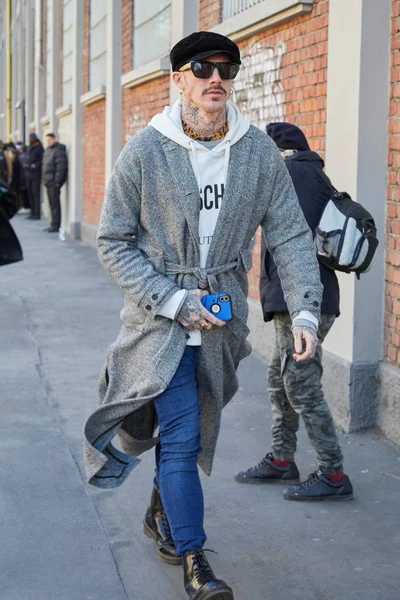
(209, 14)
(94, 152)
(127, 36)
(392, 307)
(141, 103)
(94, 133)
(299, 50)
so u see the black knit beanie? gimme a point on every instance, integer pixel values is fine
(287, 136)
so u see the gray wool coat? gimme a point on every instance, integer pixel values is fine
(148, 243)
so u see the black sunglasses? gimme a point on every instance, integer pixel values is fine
(204, 70)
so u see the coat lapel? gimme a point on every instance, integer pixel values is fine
(186, 186)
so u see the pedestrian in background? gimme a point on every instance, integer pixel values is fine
(13, 168)
(34, 171)
(184, 201)
(10, 248)
(23, 180)
(54, 175)
(3, 163)
(295, 389)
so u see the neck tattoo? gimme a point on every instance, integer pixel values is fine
(198, 127)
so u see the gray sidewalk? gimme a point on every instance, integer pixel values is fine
(61, 540)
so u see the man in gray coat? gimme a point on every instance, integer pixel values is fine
(184, 201)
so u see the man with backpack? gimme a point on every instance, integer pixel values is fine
(295, 389)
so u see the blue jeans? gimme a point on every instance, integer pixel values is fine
(176, 456)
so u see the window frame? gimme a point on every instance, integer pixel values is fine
(96, 82)
(148, 59)
(262, 16)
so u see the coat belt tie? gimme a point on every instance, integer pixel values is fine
(206, 277)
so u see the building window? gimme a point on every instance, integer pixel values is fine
(234, 7)
(67, 52)
(151, 30)
(98, 43)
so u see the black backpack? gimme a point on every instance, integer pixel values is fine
(345, 237)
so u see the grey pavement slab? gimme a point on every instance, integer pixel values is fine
(64, 540)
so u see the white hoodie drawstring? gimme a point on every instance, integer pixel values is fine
(226, 159)
(192, 145)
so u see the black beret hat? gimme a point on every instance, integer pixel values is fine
(287, 136)
(202, 44)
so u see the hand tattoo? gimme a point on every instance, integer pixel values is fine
(190, 313)
(309, 335)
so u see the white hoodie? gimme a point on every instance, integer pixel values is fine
(210, 166)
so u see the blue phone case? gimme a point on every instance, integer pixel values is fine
(219, 305)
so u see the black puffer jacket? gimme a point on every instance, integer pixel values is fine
(313, 189)
(55, 165)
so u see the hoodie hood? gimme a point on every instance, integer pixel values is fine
(287, 136)
(202, 158)
(169, 124)
(308, 156)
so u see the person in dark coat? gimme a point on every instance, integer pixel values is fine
(14, 168)
(54, 175)
(295, 389)
(23, 179)
(10, 248)
(3, 163)
(35, 158)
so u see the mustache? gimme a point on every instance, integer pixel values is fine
(214, 88)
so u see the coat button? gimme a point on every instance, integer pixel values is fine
(148, 307)
(316, 304)
(306, 295)
(154, 297)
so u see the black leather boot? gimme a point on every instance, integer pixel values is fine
(156, 526)
(200, 581)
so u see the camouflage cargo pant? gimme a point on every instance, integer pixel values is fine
(295, 389)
